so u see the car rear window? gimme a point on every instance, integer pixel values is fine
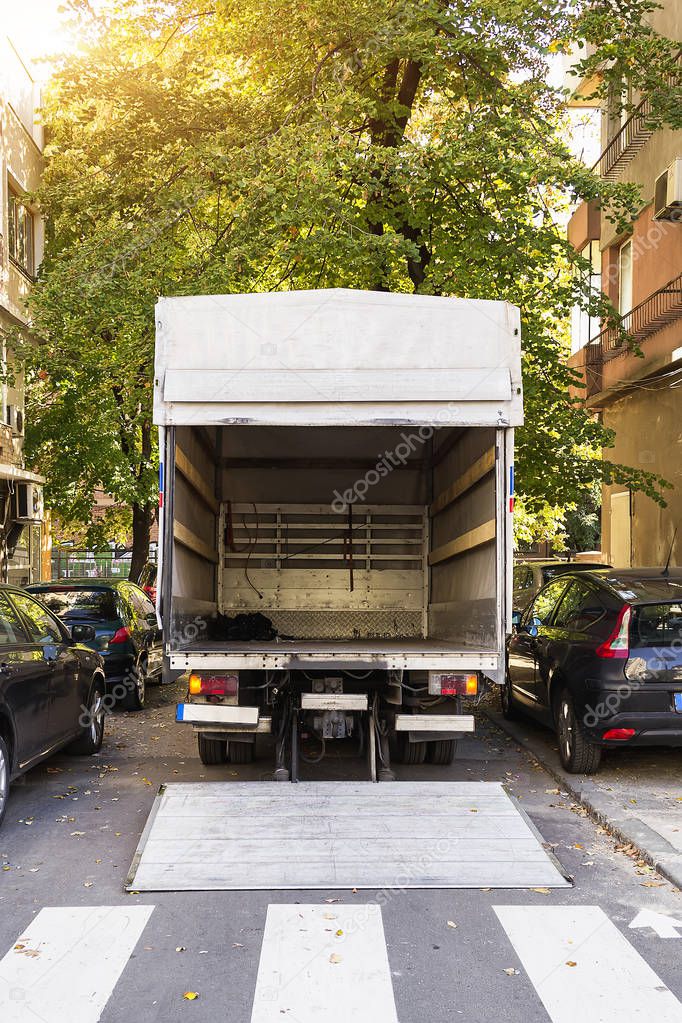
(656, 625)
(93, 604)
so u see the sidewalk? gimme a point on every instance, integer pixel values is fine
(636, 795)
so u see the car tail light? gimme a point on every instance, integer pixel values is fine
(210, 684)
(448, 683)
(619, 734)
(618, 643)
(120, 636)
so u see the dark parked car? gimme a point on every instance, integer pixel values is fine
(597, 656)
(147, 580)
(127, 634)
(51, 687)
(531, 575)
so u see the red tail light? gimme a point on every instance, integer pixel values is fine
(151, 592)
(120, 636)
(213, 685)
(618, 643)
(619, 734)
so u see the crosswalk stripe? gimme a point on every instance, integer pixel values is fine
(65, 964)
(324, 962)
(582, 967)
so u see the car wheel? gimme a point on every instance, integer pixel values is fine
(135, 697)
(578, 755)
(93, 732)
(442, 751)
(212, 751)
(5, 770)
(509, 709)
(241, 752)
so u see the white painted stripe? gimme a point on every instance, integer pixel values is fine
(65, 964)
(309, 973)
(609, 983)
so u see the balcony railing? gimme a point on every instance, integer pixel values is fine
(634, 134)
(653, 314)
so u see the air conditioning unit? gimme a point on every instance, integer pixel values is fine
(668, 193)
(28, 502)
(15, 419)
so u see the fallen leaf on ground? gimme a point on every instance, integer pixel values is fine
(542, 891)
(571, 963)
(191, 995)
(451, 923)
(180, 948)
(334, 958)
(511, 972)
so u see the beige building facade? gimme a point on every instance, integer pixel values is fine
(23, 536)
(638, 395)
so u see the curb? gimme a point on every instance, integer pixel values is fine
(604, 810)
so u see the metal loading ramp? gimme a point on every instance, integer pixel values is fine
(223, 836)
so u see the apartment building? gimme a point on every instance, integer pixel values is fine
(638, 395)
(23, 536)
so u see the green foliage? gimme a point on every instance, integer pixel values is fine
(403, 146)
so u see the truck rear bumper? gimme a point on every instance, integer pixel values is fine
(366, 655)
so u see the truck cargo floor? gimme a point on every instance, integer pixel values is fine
(327, 835)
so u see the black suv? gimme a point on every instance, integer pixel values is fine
(597, 656)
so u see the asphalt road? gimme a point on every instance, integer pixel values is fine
(72, 828)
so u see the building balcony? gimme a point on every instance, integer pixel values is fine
(627, 142)
(608, 360)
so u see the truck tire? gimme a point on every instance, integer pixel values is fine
(211, 751)
(241, 752)
(410, 752)
(441, 752)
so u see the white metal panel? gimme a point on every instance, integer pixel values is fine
(258, 835)
(434, 723)
(339, 356)
(212, 713)
(330, 385)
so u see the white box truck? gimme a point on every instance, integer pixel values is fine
(336, 518)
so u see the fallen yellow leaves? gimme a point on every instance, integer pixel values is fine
(191, 996)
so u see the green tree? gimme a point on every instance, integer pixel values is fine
(385, 144)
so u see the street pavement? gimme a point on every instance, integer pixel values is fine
(77, 948)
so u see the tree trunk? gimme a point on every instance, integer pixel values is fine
(143, 515)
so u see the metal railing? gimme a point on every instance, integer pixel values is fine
(653, 314)
(633, 135)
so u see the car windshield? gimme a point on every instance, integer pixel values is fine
(656, 625)
(92, 604)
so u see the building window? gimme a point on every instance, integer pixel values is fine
(583, 326)
(21, 233)
(625, 280)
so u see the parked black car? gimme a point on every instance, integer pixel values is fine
(51, 687)
(598, 657)
(127, 634)
(531, 574)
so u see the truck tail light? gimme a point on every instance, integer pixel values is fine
(619, 734)
(208, 683)
(442, 683)
(618, 644)
(120, 636)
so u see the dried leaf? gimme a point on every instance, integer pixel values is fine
(190, 996)
(180, 948)
(511, 972)
(339, 933)
(329, 916)
(334, 958)
(571, 963)
(451, 923)
(542, 891)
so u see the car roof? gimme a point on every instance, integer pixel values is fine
(76, 583)
(639, 585)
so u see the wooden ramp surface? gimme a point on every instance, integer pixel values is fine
(329, 835)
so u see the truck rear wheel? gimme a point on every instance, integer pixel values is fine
(441, 752)
(212, 751)
(410, 752)
(241, 752)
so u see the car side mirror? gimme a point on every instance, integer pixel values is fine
(82, 633)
